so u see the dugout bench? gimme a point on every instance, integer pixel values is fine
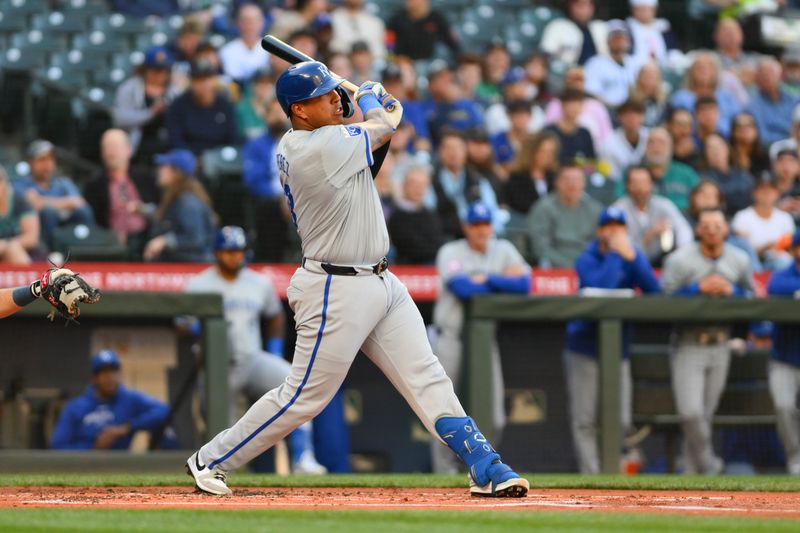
(610, 312)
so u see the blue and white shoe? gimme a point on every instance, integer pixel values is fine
(505, 483)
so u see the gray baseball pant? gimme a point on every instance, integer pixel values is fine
(583, 388)
(335, 317)
(699, 374)
(784, 384)
(449, 349)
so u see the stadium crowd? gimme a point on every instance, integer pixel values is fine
(545, 138)
(605, 124)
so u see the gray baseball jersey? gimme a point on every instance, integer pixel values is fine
(247, 299)
(456, 258)
(326, 177)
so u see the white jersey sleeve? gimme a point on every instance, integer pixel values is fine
(344, 152)
(450, 261)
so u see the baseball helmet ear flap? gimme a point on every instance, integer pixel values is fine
(347, 104)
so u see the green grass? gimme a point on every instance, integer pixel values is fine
(556, 481)
(191, 521)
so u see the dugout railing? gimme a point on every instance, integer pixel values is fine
(485, 311)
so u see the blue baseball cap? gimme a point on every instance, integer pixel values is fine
(514, 75)
(479, 213)
(796, 239)
(761, 329)
(611, 215)
(158, 57)
(183, 160)
(104, 359)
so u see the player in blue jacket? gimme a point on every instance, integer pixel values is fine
(610, 261)
(784, 366)
(108, 414)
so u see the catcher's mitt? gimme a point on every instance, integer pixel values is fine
(65, 290)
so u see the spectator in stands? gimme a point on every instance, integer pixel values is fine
(785, 172)
(515, 88)
(119, 194)
(507, 144)
(651, 37)
(251, 109)
(183, 224)
(728, 37)
(243, 57)
(747, 151)
(594, 116)
(202, 118)
(609, 78)
(57, 200)
(141, 103)
(702, 80)
(469, 73)
(610, 261)
(575, 140)
(654, 223)
(736, 184)
(575, 39)
(562, 223)
(790, 61)
(414, 229)
(415, 30)
(481, 158)
(260, 176)
(672, 179)
(537, 72)
(107, 414)
(784, 364)
(649, 89)
(405, 156)
(627, 144)
(19, 225)
(183, 50)
(496, 67)
(770, 104)
(414, 111)
(456, 185)
(706, 112)
(363, 65)
(303, 15)
(700, 361)
(302, 39)
(790, 142)
(351, 23)
(447, 107)
(533, 172)
(680, 124)
(766, 227)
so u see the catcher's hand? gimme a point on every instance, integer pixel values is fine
(65, 290)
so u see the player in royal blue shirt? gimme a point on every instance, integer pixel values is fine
(107, 414)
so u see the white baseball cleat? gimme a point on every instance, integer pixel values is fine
(208, 480)
(308, 465)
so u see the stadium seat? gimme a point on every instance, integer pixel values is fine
(148, 40)
(220, 162)
(86, 60)
(100, 41)
(12, 21)
(88, 243)
(120, 24)
(110, 78)
(22, 59)
(99, 97)
(222, 170)
(63, 78)
(40, 40)
(27, 7)
(61, 22)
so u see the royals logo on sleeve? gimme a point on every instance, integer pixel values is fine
(352, 131)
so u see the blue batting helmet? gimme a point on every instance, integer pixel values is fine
(308, 80)
(230, 238)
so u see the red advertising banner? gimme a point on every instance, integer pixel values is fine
(421, 281)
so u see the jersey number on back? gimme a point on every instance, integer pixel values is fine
(283, 164)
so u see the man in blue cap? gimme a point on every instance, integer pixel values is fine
(107, 414)
(610, 261)
(784, 365)
(476, 264)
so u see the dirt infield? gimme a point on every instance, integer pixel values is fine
(782, 505)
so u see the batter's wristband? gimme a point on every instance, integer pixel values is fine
(368, 101)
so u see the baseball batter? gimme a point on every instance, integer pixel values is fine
(248, 298)
(343, 296)
(477, 264)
